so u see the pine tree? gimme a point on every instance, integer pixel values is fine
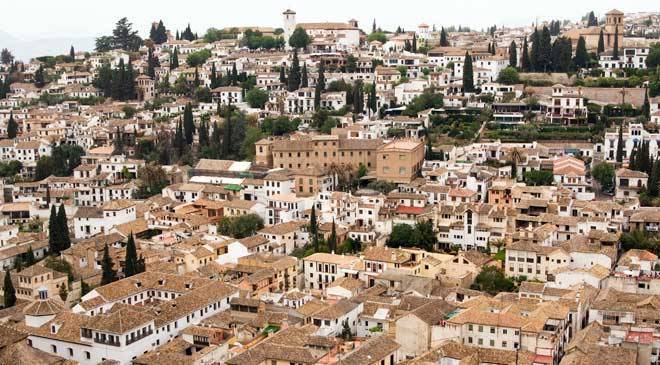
(581, 54)
(29, 257)
(601, 43)
(12, 126)
(72, 54)
(304, 82)
(525, 61)
(332, 241)
(53, 232)
(468, 74)
(619, 145)
(314, 228)
(188, 124)
(513, 54)
(615, 50)
(443, 38)
(131, 265)
(63, 230)
(9, 291)
(294, 73)
(108, 275)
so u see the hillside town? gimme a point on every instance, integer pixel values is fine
(335, 193)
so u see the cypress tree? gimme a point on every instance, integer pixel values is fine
(9, 291)
(283, 75)
(615, 50)
(117, 83)
(129, 82)
(581, 54)
(373, 103)
(39, 80)
(203, 134)
(72, 54)
(513, 54)
(214, 77)
(12, 126)
(468, 74)
(654, 179)
(131, 265)
(545, 50)
(226, 136)
(332, 242)
(534, 55)
(53, 232)
(234, 75)
(188, 124)
(294, 73)
(63, 231)
(525, 61)
(320, 85)
(304, 82)
(161, 33)
(358, 98)
(108, 273)
(118, 143)
(619, 145)
(414, 43)
(152, 33)
(646, 107)
(174, 63)
(601, 42)
(29, 257)
(314, 229)
(179, 139)
(443, 38)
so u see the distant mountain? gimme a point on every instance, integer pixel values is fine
(30, 48)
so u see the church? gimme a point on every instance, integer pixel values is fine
(613, 20)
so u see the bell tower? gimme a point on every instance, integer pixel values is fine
(289, 18)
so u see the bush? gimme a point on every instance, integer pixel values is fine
(492, 281)
(241, 226)
(538, 178)
(509, 76)
(257, 98)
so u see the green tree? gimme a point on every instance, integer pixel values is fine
(646, 107)
(401, 236)
(123, 37)
(424, 235)
(581, 54)
(332, 241)
(592, 21)
(174, 62)
(508, 76)
(188, 124)
(544, 58)
(9, 291)
(346, 332)
(492, 281)
(601, 43)
(654, 179)
(241, 226)
(377, 36)
(63, 293)
(351, 64)
(561, 54)
(54, 234)
(39, 78)
(525, 62)
(604, 174)
(443, 38)
(513, 54)
(619, 145)
(63, 230)
(257, 98)
(615, 49)
(538, 178)
(653, 58)
(198, 58)
(29, 257)
(314, 228)
(12, 126)
(131, 262)
(304, 82)
(108, 274)
(320, 86)
(468, 74)
(294, 73)
(299, 38)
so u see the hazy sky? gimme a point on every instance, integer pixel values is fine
(79, 18)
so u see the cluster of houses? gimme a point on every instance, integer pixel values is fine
(272, 294)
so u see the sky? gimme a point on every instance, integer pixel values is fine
(85, 18)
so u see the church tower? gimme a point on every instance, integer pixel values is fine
(289, 17)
